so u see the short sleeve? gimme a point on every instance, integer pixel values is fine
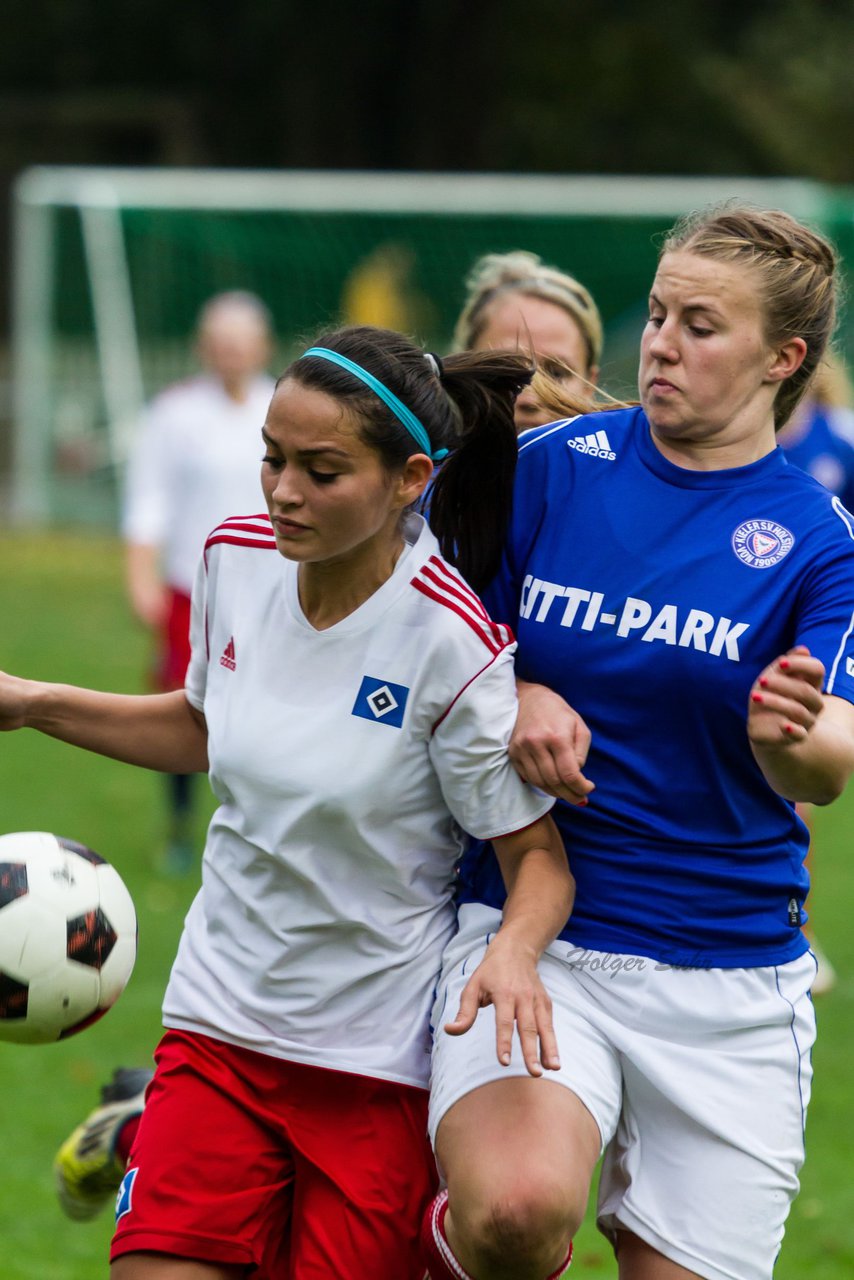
(469, 753)
(825, 622)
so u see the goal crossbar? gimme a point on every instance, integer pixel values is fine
(98, 196)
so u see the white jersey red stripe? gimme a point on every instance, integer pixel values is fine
(435, 581)
(243, 531)
(347, 762)
(456, 583)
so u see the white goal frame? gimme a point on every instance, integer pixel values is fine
(99, 194)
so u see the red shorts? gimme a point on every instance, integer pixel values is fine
(294, 1172)
(174, 644)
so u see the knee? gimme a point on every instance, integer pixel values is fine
(520, 1231)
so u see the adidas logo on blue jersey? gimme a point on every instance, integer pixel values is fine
(596, 444)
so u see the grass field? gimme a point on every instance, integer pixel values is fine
(62, 617)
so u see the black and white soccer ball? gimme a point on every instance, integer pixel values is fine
(67, 937)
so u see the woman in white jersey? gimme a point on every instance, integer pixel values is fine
(683, 600)
(352, 701)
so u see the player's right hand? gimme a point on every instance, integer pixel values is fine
(549, 744)
(507, 978)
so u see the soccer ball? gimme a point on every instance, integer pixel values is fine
(67, 937)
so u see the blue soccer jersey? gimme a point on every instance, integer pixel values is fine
(650, 597)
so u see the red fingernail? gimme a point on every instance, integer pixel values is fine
(784, 664)
(579, 804)
(756, 697)
(788, 728)
(763, 683)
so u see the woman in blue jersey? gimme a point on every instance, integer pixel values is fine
(683, 600)
(353, 703)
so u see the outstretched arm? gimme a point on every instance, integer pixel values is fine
(540, 894)
(802, 739)
(157, 731)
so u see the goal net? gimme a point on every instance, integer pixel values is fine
(111, 267)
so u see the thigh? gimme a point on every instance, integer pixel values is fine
(364, 1175)
(210, 1173)
(639, 1261)
(704, 1164)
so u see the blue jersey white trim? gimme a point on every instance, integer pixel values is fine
(627, 595)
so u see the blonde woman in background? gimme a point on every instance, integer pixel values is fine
(515, 301)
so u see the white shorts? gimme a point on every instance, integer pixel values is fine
(698, 1079)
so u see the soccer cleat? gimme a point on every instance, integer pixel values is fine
(87, 1170)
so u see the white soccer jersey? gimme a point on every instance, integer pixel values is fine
(196, 459)
(347, 762)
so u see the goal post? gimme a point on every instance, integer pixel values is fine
(111, 266)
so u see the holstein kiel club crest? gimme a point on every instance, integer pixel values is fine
(762, 543)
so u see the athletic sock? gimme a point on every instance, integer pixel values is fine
(442, 1262)
(563, 1269)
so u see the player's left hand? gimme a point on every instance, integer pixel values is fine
(507, 978)
(786, 699)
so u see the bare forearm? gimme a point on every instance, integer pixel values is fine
(801, 738)
(540, 888)
(540, 892)
(815, 770)
(155, 731)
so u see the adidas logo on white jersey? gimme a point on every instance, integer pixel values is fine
(228, 656)
(597, 445)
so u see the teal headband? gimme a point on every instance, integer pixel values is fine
(398, 408)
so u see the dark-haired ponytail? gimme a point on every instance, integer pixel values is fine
(471, 497)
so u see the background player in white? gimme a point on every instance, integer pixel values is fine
(353, 702)
(517, 302)
(194, 462)
(690, 595)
